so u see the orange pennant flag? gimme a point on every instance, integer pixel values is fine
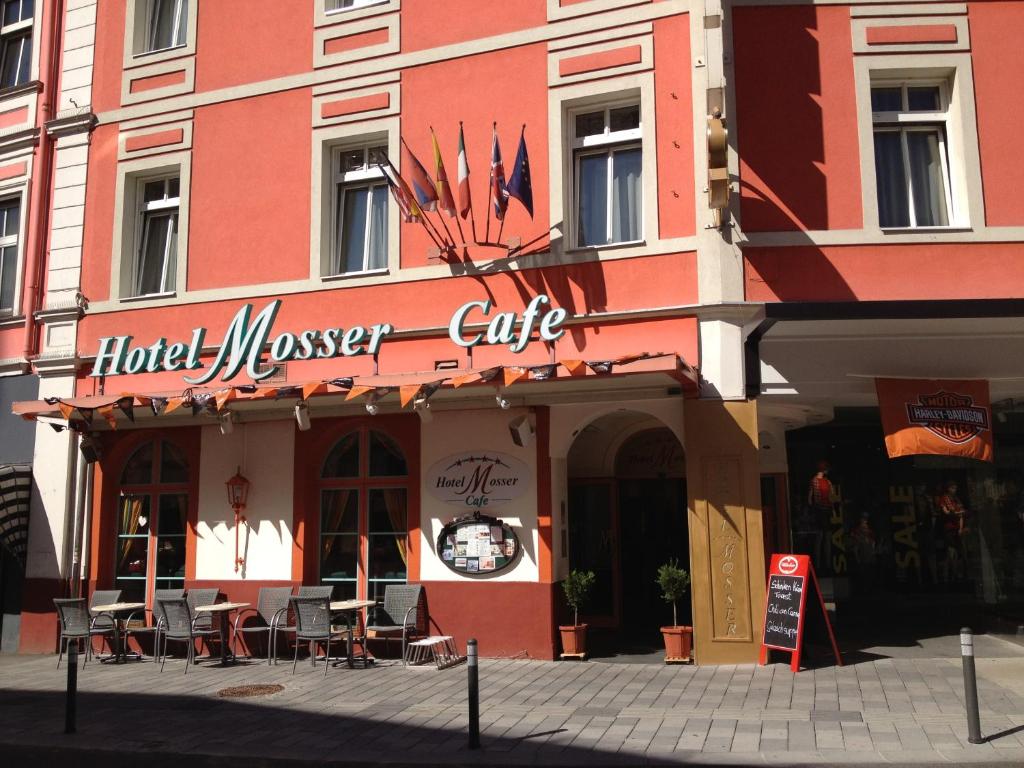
(107, 412)
(356, 392)
(407, 393)
(627, 359)
(514, 373)
(65, 410)
(467, 378)
(575, 367)
(312, 388)
(223, 395)
(173, 404)
(265, 393)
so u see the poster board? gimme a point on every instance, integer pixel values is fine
(477, 545)
(785, 611)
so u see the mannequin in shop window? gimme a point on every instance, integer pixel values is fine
(929, 527)
(864, 547)
(821, 496)
(954, 524)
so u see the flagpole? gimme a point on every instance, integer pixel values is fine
(472, 216)
(490, 183)
(422, 216)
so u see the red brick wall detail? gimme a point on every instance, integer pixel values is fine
(150, 140)
(158, 81)
(358, 104)
(918, 33)
(590, 62)
(351, 42)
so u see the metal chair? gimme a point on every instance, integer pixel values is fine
(288, 616)
(75, 624)
(178, 625)
(155, 623)
(203, 621)
(270, 607)
(400, 612)
(104, 620)
(313, 624)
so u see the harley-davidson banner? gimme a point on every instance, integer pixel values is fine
(943, 417)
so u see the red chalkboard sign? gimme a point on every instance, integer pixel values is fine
(785, 608)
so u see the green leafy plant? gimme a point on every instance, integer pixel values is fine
(674, 583)
(577, 586)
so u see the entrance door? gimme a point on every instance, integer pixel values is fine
(593, 538)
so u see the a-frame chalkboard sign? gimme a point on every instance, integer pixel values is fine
(785, 608)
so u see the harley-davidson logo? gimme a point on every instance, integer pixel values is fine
(951, 416)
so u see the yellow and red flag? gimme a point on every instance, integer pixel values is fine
(445, 202)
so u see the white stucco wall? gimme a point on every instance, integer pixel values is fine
(483, 430)
(265, 452)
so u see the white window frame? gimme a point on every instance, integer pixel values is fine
(609, 142)
(342, 181)
(18, 29)
(356, 5)
(143, 208)
(13, 240)
(905, 121)
(180, 17)
(137, 38)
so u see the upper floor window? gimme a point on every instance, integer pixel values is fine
(157, 227)
(10, 219)
(166, 24)
(912, 164)
(608, 175)
(16, 41)
(360, 210)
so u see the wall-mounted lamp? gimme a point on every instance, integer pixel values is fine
(90, 449)
(302, 415)
(238, 492)
(371, 404)
(422, 407)
(227, 422)
(502, 402)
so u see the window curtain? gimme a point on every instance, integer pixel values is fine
(131, 508)
(593, 202)
(335, 503)
(890, 180)
(627, 195)
(394, 501)
(378, 256)
(927, 178)
(353, 229)
(8, 275)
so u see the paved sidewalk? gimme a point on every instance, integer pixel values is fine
(532, 712)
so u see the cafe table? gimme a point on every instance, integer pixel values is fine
(222, 610)
(348, 609)
(115, 611)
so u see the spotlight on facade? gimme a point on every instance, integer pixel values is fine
(372, 408)
(90, 449)
(227, 422)
(521, 431)
(302, 415)
(422, 407)
(502, 402)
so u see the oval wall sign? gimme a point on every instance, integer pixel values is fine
(477, 544)
(478, 480)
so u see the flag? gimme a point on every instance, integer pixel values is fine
(499, 195)
(444, 191)
(423, 188)
(464, 200)
(519, 184)
(407, 204)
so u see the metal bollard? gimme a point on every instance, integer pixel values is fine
(72, 692)
(970, 686)
(474, 694)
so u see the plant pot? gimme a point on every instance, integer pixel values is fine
(678, 643)
(574, 640)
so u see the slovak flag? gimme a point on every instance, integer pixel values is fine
(422, 185)
(499, 194)
(465, 203)
(520, 186)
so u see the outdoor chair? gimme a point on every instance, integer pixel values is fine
(286, 622)
(203, 621)
(399, 613)
(76, 624)
(271, 606)
(103, 620)
(313, 624)
(155, 623)
(178, 625)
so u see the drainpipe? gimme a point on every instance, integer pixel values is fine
(38, 213)
(71, 501)
(85, 526)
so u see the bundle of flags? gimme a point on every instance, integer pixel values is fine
(417, 192)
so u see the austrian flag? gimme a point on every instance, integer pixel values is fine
(465, 203)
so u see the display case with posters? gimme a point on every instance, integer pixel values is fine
(477, 544)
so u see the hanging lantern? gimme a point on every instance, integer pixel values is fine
(238, 492)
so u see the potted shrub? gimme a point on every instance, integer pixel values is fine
(675, 583)
(577, 588)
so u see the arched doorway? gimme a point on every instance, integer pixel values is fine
(627, 516)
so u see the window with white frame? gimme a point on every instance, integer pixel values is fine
(607, 175)
(16, 42)
(912, 176)
(10, 224)
(360, 208)
(166, 24)
(332, 6)
(157, 226)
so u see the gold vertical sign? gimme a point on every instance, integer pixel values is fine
(727, 545)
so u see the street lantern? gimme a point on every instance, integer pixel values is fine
(238, 492)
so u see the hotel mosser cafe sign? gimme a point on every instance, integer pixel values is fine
(247, 336)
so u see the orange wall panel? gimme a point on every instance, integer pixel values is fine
(344, 43)
(590, 62)
(156, 139)
(427, 25)
(871, 272)
(250, 195)
(143, 84)
(13, 117)
(99, 206)
(109, 52)
(262, 43)
(674, 108)
(998, 60)
(470, 90)
(914, 33)
(796, 110)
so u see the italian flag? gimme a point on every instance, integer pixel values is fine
(464, 199)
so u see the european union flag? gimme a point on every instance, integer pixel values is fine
(520, 185)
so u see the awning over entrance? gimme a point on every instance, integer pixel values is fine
(404, 389)
(15, 491)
